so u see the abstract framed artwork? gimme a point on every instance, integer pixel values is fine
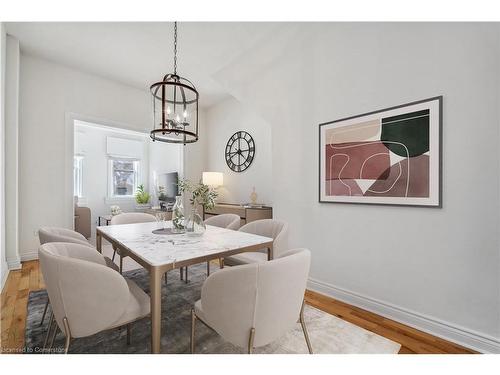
(391, 156)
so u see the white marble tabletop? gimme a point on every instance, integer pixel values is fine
(162, 249)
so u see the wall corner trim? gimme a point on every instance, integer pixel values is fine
(445, 330)
(13, 264)
(4, 280)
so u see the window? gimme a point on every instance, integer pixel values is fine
(78, 176)
(124, 177)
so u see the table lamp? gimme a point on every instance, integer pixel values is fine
(213, 179)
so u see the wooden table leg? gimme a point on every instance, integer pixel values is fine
(155, 277)
(270, 252)
(98, 241)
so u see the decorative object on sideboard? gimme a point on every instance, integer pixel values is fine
(115, 210)
(175, 107)
(391, 156)
(253, 196)
(240, 151)
(142, 198)
(201, 196)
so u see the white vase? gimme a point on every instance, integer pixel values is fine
(194, 224)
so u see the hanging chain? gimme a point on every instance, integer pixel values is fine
(175, 48)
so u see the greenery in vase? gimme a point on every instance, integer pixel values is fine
(141, 196)
(201, 194)
(178, 218)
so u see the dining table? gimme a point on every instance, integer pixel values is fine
(158, 249)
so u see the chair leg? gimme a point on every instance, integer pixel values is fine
(304, 329)
(128, 334)
(221, 263)
(67, 332)
(51, 321)
(56, 329)
(208, 268)
(250, 341)
(44, 312)
(121, 263)
(181, 272)
(166, 278)
(54, 334)
(114, 254)
(186, 275)
(193, 324)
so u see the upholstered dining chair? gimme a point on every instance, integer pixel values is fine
(86, 296)
(129, 218)
(228, 221)
(254, 304)
(275, 229)
(56, 234)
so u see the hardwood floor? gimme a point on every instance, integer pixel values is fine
(14, 300)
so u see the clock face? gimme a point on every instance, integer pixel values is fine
(240, 151)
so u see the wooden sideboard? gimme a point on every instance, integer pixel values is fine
(246, 213)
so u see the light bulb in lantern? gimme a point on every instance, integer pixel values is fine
(177, 118)
(185, 114)
(169, 110)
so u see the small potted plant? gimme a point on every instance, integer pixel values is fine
(142, 198)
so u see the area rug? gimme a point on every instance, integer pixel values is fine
(328, 334)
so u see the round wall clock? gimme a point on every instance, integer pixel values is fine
(240, 151)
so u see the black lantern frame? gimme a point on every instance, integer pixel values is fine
(175, 110)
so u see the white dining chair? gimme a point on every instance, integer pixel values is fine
(86, 296)
(275, 229)
(56, 234)
(254, 304)
(227, 221)
(129, 218)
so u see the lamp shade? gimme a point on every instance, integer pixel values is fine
(213, 178)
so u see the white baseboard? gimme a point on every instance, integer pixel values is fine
(448, 331)
(14, 264)
(29, 255)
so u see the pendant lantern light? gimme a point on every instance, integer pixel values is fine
(175, 107)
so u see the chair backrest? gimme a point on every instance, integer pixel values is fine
(132, 218)
(266, 296)
(55, 234)
(81, 288)
(228, 221)
(276, 229)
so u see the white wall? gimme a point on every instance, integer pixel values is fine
(223, 120)
(4, 270)
(48, 93)
(437, 269)
(51, 96)
(12, 153)
(195, 160)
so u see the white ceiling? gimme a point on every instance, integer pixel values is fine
(141, 53)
